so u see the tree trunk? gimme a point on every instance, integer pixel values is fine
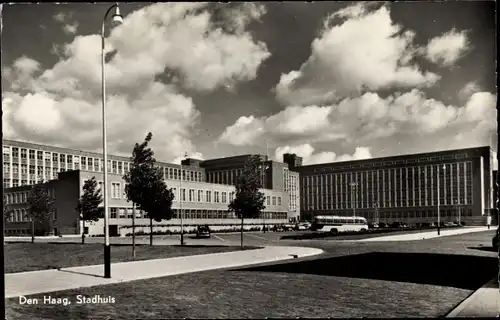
(242, 231)
(150, 231)
(83, 232)
(133, 230)
(32, 230)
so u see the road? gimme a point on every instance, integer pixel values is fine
(459, 243)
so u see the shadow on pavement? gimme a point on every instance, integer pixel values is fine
(81, 273)
(458, 271)
(488, 249)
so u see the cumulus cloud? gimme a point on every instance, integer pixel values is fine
(447, 48)
(71, 28)
(306, 151)
(366, 51)
(64, 18)
(370, 117)
(468, 90)
(181, 38)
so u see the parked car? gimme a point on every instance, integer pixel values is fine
(203, 232)
(372, 225)
(397, 224)
(450, 224)
(382, 225)
(300, 227)
(277, 228)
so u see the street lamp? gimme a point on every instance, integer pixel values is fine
(353, 196)
(438, 198)
(181, 213)
(376, 213)
(117, 18)
(263, 169)
(457, 202)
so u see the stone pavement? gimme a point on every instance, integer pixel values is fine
(26, 283)
(484, 303)
(427, 234)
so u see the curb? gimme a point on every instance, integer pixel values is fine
(470, 299)
(421, 236)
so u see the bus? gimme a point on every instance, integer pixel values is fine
(336, 224)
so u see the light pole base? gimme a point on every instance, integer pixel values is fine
(182, 238)
(107, 261)
(439, 230)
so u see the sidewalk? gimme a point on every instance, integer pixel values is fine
(483, 303)
(427, 234)
(26, 283)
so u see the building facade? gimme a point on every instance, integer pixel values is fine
(401, 188)
(28, 163)
(197, 202)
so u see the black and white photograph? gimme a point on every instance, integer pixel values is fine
(246, 160)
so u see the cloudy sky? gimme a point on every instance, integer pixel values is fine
(328, 81)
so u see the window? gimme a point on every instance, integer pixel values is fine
(32, 154)
(69, 158)
(15, 152)
(120, 167)
(274, 201)
(174, 191)
(268, 200)
(209, 196)
(200, 195)
(115, 190)
(224, 197)
(216, 197)
(113, 212)
(183, 194)
(279, 201)
(192, 175)
(191, 195)
(114, 166)
(231, 196)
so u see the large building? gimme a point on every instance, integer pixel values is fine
(206, 187)
(401, 188)
(202, 203)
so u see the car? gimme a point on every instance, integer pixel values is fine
(300, 227)
(382, 225)
(372, 225)
(203, 232)
(450, 224)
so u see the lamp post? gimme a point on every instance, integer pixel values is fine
(353, 196)
(107, 249)
(263, 168)
(438, 199)
(457, 202)
(181, 213)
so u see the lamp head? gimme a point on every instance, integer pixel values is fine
(117, 17)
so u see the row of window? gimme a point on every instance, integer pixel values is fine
(90, 164)
(401, 187)
(21, 215)
(127, 213)
(423, 214)
(21, 196)
(194, 195)
(372, 164)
